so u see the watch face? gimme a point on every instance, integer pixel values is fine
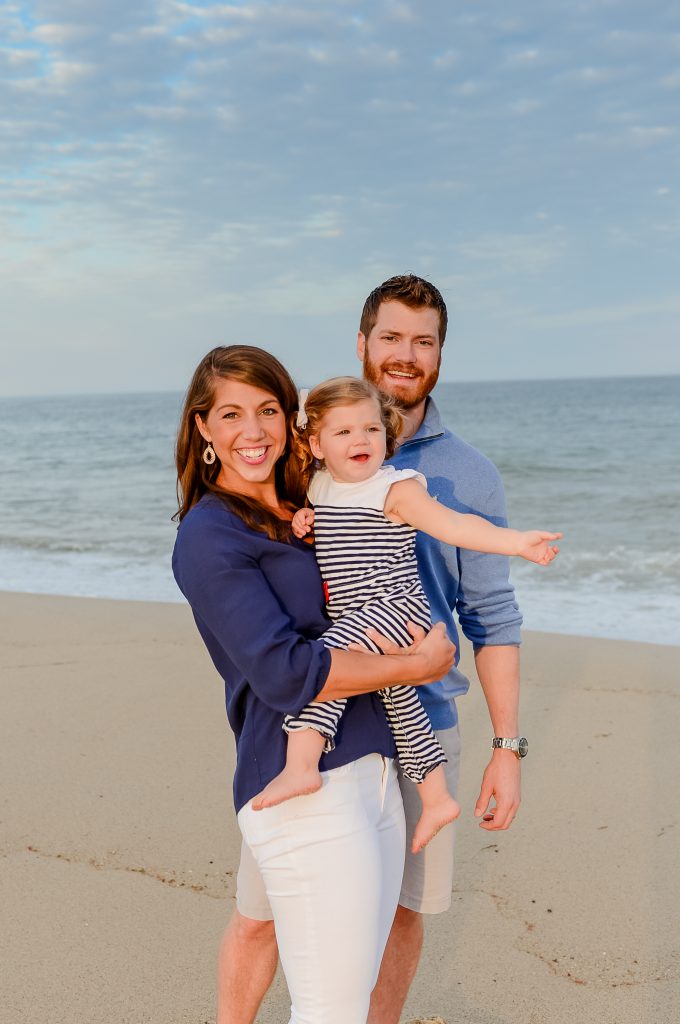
(523, 747)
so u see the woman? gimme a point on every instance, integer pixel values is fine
(331, 861)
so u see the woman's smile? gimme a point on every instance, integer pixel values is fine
(253, 456)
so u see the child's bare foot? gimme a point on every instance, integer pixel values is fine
(433, 818)
(287, 784)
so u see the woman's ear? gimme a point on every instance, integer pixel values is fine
(316, 447)
(201, 427)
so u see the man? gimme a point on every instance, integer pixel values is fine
(402, 331)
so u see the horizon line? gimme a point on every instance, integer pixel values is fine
(502, 380)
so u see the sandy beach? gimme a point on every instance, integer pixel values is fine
(119, 844)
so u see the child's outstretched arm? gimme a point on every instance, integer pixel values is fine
(303, 522)
(409, 502)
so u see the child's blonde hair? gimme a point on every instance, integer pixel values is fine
(343, 391)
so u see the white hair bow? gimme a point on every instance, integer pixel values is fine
(301, 421)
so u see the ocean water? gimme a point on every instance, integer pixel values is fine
(88, 492)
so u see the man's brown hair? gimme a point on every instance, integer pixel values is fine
(413, 291)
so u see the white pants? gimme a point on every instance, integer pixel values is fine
(332, 865)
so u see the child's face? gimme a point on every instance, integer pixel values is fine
(351, 441)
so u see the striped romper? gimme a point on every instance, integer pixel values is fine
(370, 575)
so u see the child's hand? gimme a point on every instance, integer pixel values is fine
(534, 546)
(303, 522)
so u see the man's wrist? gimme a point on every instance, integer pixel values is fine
(517, 746)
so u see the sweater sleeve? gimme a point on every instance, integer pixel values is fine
(487, 610)
(233, 602)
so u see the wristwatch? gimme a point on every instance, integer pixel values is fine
(518, 744)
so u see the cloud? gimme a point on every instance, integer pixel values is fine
(268, 149)
(525, 106)
(17, 58)
(55, 34)
(513, 254)
(401, 11)
(671, 81)
(523, 58)
(447, 59)
(623, 312)
(651, 134)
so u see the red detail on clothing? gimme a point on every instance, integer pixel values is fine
(325, 591)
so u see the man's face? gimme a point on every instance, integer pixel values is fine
(401, 355)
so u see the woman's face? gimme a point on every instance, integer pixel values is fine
(247, 428)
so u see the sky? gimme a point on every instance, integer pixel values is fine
(177, 175)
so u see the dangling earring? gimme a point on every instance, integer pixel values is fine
(209, 455)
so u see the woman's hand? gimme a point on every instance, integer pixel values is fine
(355, 671)
(434, 651)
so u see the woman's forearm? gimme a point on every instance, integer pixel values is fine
(353, 672)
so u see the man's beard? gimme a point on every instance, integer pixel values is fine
(405, 397)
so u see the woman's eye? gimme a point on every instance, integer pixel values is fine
(229, 416)
(270, 411)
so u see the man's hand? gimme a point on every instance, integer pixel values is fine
(303, 522)
(501, 782)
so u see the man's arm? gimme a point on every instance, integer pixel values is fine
(489, 617)
(498, 671)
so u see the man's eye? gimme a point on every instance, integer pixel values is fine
(426, 343)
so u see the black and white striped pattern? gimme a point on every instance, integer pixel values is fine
(364, 556)
(369, 567)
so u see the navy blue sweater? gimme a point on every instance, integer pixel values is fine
(259, 607)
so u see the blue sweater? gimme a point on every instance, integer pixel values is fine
(475, 585)
(259, 606)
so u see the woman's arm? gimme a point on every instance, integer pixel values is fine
(354, 672)
(408, 502)
(245, 626)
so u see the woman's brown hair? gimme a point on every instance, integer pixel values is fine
(342, 391)
(248, 365)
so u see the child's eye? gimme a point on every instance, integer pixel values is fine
(374, 430)
(341, 433)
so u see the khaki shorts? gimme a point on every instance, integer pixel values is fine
(428, 876)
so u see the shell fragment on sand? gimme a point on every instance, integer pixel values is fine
(425, 1020)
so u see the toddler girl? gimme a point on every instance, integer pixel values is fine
(365, 517)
